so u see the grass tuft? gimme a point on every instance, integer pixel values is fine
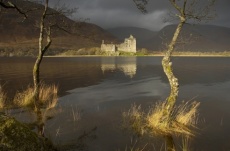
(185, 144)
(187, 112)
(154, 119)
(182, 119)
(24, 98)
(47, 97)
(133, 119)
(2, 98)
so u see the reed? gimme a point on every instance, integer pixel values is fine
(47, 97)
(24, 98)
(134, 120)
(183, 119)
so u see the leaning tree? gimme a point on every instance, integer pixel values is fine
(48, 21)
(51, 20)
(185, 11)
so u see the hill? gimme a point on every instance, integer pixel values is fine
(198, 38)
(20, 36)
(202, 38)
(142, 35)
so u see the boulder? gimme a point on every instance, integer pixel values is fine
(17, 136)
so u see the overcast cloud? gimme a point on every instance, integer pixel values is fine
(115, 13)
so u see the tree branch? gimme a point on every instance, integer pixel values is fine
(141, 5)
(173, 2)
(11, 5)
(184, 6)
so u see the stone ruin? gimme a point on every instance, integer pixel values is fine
(129, 45)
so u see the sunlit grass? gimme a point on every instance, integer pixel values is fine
(155, 117)
(133, 119)
(187, 114)
(2, 98)
(47, 97)
(24, 98)
(182, 119)
(185, 144)
(76, 114)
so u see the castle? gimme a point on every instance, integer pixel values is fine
(128, 65)
(129, 45)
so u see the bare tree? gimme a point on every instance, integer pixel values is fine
(185, 10)
(50, 21)
(36, 70)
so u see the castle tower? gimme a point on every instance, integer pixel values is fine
(132, 46)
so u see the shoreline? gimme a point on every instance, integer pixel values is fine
(156, 55)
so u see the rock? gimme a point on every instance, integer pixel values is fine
(16, 136)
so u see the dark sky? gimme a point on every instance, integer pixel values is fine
(115, 13)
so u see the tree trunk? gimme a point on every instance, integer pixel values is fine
(36, 71)
(168, 70)
(36, 77)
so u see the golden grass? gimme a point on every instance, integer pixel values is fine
(155, 117)
(133, 119)
(2, 98)
(186, 113)
(185, 144)
(181, 121)
(24, 98)
(47, 97)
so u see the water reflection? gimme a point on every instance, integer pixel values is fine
(128, 69)
(127, 65)
(103, 96)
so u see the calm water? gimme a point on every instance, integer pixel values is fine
(101, 88)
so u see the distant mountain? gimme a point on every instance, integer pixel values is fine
(22, 35)
(201, 38)
(142, 35)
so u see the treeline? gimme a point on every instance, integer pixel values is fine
(26, 52)
(32, 52)
(194, 53)
(97, 51)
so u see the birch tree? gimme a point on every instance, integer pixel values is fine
(185, 11)
(50, 21)
(36, 70)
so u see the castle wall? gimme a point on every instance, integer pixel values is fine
(108, 47)
(129, 45)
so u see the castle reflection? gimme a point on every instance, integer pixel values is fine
(127, 65)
